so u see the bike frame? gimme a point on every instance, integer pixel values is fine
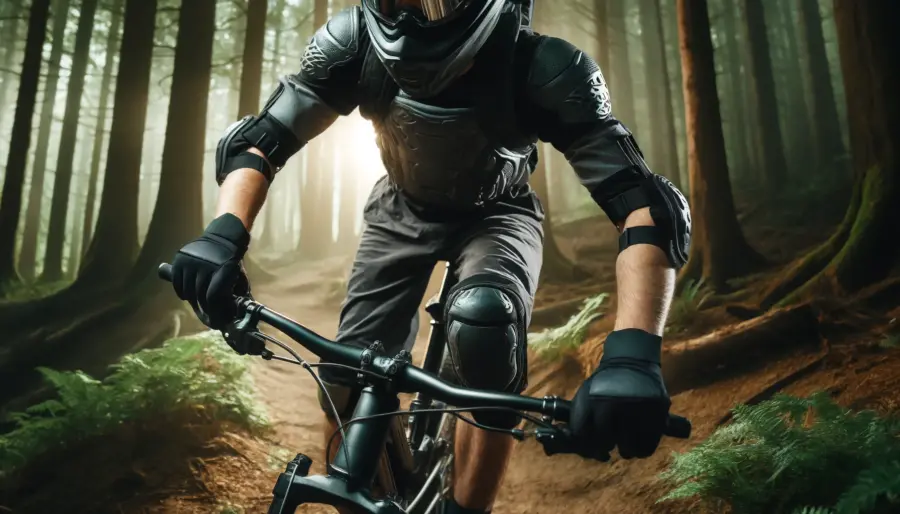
(350, 476)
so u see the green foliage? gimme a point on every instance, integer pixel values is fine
(199, 374)
(553, 342)
(24, 291)
(789, 453)
(686, 305)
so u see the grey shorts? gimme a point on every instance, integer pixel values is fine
(401, 244)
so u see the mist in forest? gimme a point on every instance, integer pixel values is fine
(778, 119)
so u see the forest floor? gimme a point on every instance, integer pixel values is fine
(853, 363)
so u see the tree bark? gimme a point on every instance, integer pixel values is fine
(115, 244)
(251, 71)
(56, 234)
(828, 147)
(798, 124)
(112, 39)
(10, 34)
(718, 250)
(865, 247)
(738, 123)
(20, 139)
(28, 252)
(663, 152)
(762, 92)
(178, 215)
(622, 85)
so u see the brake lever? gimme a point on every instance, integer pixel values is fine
(560, 439)
(241, 333)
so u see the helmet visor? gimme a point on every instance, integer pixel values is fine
(432, 10)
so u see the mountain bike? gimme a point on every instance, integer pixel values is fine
(392, 461)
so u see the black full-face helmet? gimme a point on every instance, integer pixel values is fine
(425, 44)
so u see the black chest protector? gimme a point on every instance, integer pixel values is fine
(455, 157)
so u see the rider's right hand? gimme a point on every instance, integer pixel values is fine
(207, 272)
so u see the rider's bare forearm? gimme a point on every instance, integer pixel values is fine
(645, 282)
(243, 193)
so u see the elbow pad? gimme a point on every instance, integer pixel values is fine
(669, 210)
(292, 116)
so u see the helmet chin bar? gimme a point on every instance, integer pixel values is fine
(424, 59)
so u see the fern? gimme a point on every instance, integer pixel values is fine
(198, 373)
(686, 305)
(553, 342)
(787, 453)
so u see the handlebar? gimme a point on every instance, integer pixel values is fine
(407, 378)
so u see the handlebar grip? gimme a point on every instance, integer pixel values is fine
(165, 271)
(678, 426)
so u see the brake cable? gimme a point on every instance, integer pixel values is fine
(518, 434)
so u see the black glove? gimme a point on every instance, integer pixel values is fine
(207, 272)
(624, 403)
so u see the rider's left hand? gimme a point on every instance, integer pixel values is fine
(624, 403)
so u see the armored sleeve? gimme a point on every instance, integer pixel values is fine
(567, 104)
(303, 104)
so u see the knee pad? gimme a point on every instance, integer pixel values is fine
(485, 326)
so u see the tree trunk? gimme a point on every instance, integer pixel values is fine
(348, 211)
(669, 19)
(738, 123)
(315, 203)
(178, 215)
(601, 33)
(718, 250)
(28, 252)
(115, 243)
(10, 34)
(798, 124)
(828, 149)
(556, 266)
(762, 91)
(622, 86)
(56, 234)
(663, 153)
(100, 128)
(20, 139)
(865, 247)
(251, 71)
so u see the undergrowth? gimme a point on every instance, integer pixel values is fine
(686, 306)
(25, 291)
(795, 455)
(553, 342)
(199, 373)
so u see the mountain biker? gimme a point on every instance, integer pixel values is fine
(459, 92)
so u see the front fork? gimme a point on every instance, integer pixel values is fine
(352, 471)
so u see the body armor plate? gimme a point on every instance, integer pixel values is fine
(444, 158)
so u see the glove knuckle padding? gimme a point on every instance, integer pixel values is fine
(485, 338)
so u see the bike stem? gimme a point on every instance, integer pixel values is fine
(358, 456)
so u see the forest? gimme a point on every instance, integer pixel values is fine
(778, 119)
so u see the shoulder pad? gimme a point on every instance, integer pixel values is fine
(564, 80)
(335, 44)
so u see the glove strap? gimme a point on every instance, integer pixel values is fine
(632, 343)
(230, 227)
